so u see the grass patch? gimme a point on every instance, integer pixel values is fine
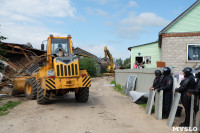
(113, 82)
(118, 87)
(144, 106)
(4, 110)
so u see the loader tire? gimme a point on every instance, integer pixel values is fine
(82, 95)
(30, 88)
(42, 95)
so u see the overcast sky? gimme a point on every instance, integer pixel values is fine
(118, 24)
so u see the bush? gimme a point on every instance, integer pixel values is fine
(88, 64)
(128, 66)
(103, 70)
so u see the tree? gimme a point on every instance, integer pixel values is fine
(127, 63)
(2, 37)
(119, 62)
(88, 64)
(2, 48)
(2, 52)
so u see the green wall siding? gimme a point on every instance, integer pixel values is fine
(190, 22)
(147, 50)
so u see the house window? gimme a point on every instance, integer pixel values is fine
(147, 59)
(139, 59)
(193, 52)
(143, 59)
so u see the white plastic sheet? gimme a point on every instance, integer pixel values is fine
(135, 95)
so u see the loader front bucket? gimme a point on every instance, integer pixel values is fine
(18, 85)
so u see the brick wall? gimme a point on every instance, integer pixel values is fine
(174, 51)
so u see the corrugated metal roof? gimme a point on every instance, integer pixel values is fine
(79, 51)
(24, 46)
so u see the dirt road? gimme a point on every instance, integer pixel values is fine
(107, 111)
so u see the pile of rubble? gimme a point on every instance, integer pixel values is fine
(18, 60)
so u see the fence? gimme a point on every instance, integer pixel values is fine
(144, 80)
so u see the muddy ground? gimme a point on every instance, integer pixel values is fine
(107, 111)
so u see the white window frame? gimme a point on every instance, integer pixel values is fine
(150, 60)
(143, 59)
(187, 53)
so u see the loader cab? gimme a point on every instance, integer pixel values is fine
(60, 47)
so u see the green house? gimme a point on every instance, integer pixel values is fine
(148, 53)
(180, 40)
(187, 22)
(178, 43)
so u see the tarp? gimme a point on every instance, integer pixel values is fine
(136, 95)
(130, 84)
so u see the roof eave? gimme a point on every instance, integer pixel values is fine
(141, 45)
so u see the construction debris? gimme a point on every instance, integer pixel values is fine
(1, 77)
(3, 95)
(19, 60)
(109, 85)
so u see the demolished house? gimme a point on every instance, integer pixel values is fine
(18, 60)
(84, 53)
(24, 60)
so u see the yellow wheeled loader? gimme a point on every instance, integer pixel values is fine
(58, 75)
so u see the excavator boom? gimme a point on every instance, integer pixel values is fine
(110, 68)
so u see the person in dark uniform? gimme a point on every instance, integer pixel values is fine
(156, 82)
(166, 85)
(196, 93)
(187, 84)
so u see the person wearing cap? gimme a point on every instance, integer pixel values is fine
(187, 84)
(166, 85)
(156, 82)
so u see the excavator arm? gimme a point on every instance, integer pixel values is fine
(111, 65)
